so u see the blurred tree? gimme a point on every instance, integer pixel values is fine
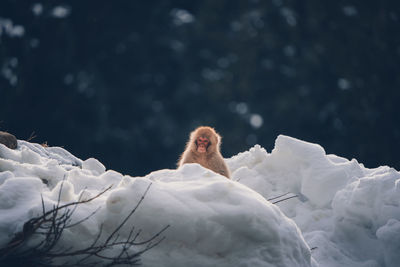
(126, 81)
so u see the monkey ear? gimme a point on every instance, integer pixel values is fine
(218, 144)
(218, 137)
(192, 135)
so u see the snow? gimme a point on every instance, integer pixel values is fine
(344, 214)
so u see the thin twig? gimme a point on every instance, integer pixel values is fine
(32, 136)
(278, 196)
(284, 199)
(51, 225)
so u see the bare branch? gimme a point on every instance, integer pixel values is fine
(284, 199)
(51, 225)
(278, 196)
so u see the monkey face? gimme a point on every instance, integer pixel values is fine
(202, 144)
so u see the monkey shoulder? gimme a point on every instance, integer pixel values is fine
(189, 157)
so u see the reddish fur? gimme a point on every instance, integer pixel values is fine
(212, 158)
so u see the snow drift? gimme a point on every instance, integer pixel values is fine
(347, 214)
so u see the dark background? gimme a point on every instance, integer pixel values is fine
(126, 81)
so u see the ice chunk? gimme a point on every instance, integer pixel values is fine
(94, 166)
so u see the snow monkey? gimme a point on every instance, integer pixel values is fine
(203, 148)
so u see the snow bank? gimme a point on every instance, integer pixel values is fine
(347, 214)
(213, 221)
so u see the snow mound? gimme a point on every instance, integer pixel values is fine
(213, 221)
(347, 213)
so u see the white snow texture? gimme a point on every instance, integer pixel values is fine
(344, 215)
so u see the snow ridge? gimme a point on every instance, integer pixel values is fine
(348, 214)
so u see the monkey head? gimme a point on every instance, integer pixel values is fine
(203, 148)
(204, 140)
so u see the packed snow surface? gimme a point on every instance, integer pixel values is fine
(344, 214)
